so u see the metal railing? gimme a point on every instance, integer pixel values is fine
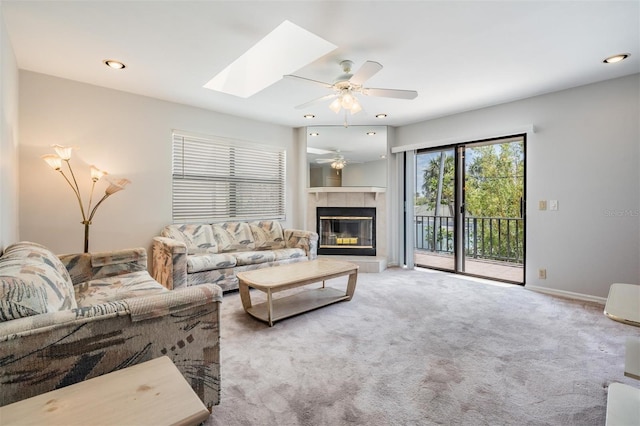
(493, 238)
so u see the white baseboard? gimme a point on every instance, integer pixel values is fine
(568, 294)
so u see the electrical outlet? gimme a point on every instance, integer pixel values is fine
(542, 205)
(542, 274)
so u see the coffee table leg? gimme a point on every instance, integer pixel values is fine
(244, 295)
(269, 308)
(351, 285)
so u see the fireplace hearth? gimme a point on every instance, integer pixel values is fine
(346, 230)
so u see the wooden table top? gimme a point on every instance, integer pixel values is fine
(284, 275)
(152, 393)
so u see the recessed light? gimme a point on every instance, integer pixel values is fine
(114, 64)
(381, 115)
(616, 58)
(383, 156)
(371, 133)
(309, 116)
(314, 134)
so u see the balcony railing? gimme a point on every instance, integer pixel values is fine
(492, 238)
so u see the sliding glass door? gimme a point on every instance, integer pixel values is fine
(434, 208)
(469, 209)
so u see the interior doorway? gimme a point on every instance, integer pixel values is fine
(469, 208)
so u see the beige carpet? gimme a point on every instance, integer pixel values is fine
(422, 348)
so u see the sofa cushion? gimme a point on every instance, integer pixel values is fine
(233, 236)
(119, 287)
(197, 237)
(253, 257)
(267, 234)
(288, 253)
(208, 262)
(38, 253)
(33, 281)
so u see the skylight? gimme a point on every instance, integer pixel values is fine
(283, 51)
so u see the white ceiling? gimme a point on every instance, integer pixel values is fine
(458, 55)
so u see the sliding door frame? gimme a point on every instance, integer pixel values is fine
(459, 203)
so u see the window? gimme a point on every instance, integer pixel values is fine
(217, 179)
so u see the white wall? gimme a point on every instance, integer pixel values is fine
(585, 154)
(127, 135)
(373, 173)
(8, 140)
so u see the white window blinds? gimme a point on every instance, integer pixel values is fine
(217, 179)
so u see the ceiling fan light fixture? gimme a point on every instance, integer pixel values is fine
(345, 88)
(347, 100)
(338, 164)
(335, 106)
(355, 108)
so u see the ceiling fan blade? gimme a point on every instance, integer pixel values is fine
(315, 101)
(325, 160)
(312, 150)
(366, 71)
(308, 80)
(391, 93)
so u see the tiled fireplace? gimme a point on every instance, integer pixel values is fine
(361, 241)
(346, 230)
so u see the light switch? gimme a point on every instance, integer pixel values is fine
(542, 205)
(553, 204)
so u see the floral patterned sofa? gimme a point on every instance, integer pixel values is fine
(190, 254)
(65, 319)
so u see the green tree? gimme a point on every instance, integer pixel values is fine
(493, 189)
(494, 180)
(431, 176)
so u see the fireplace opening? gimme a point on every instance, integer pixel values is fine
(346, 230)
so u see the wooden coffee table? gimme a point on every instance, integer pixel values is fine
(278, 278)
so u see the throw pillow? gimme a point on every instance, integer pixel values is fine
(267, 234)
(233, 236)
(197, 237)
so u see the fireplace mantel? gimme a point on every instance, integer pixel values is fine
(375, 190)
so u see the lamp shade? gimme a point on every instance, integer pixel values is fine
(356, 107)
(53, 161)
(116, 186)
(96, 173)
(63, 151)
(335, 105)
(346, 100)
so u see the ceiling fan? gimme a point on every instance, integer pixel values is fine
(338, 162)
(347, 85)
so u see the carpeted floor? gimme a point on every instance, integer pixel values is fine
(417, 347)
